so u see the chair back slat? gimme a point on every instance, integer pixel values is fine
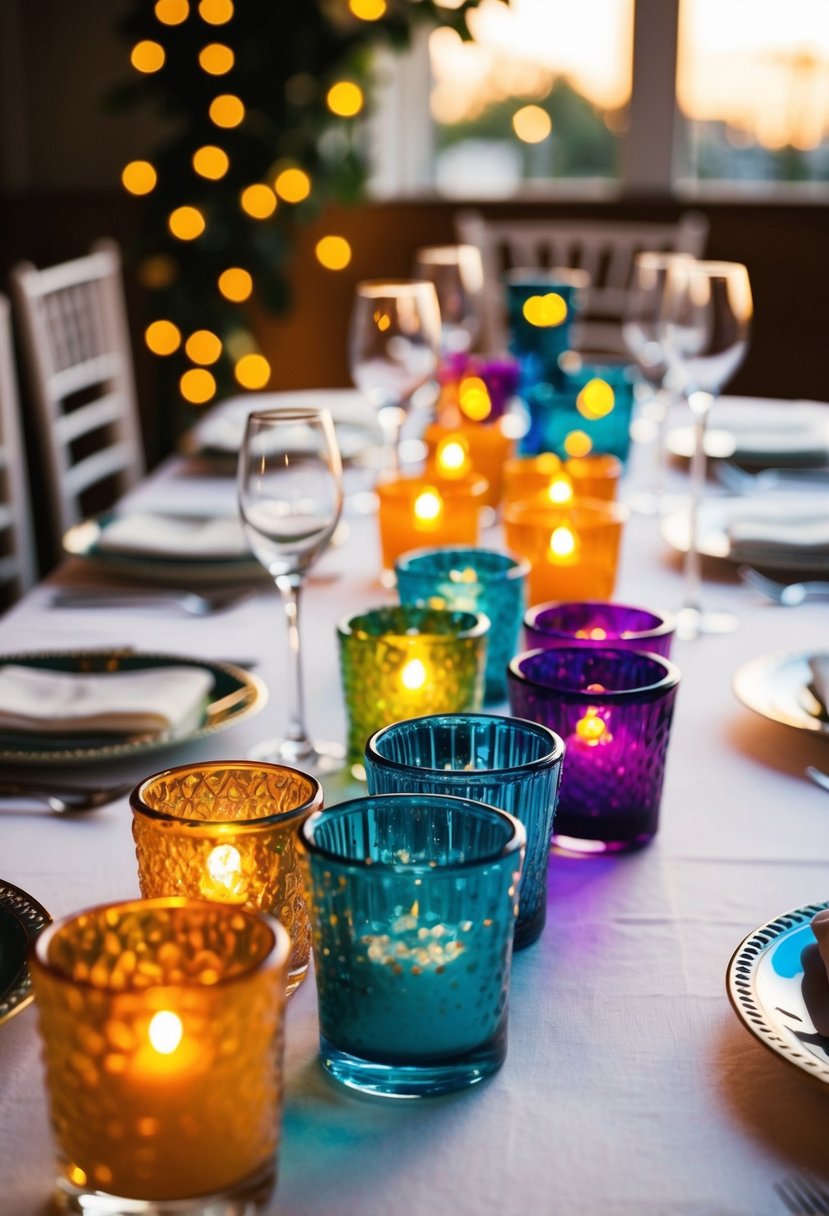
(18, 564)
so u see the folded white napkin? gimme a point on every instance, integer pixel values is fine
(170, 536)
(154, 701)
(779, 528)
(790, 430)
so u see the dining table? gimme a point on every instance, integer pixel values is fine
(631, 1085)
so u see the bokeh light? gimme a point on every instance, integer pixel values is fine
(197, 386)
(368, 10)
(293, 185)
(252, 371)
(211, 162)
(216, 59)
(162, 337)
(473, 398)
(216, 12)
(147, 56)
(157, 271)
(258, 201)
(545, 311)
(186, 223)
(227, 110)
(596, 399)
(578, 443)
(203, 346)
(532, 124)
(345, 99)
(235, 284)
(139, 177)
(172, 12)
(333, 252)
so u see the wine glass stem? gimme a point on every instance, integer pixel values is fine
(700, 404)
(391, 419)
(289, 587)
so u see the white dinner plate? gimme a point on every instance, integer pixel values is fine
(776, 686)
(236, 695)
(716, 515)
(760, 432)
(777, 983)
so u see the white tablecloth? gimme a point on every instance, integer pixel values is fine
(630, 1087)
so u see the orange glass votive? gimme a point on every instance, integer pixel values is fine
(162, 1025)
(425, 511)
(456, 451)
(562, 480)
(573, 549)
(226, 831)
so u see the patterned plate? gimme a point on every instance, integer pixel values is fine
(777, 983)
(21, 919)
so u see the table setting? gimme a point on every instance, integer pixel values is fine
(441, 869)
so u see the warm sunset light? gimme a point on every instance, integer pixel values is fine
(252, 371)
(147, 56)
(258, 201)
(139, 177)
(211, 162)
(186, 223)
(413, 675)
(333, 252)
(368, 10)
(428, 506)
(203, 346)
(216, 59)
(235, 284)
(578, 443)
(596, 400)
(165, 1032)
(162, 337)
(197, 386)
(532, 124)
(292, 185)
(226, 110)
(172, 12)
(345, 99)
(216, 12)
(545, 311)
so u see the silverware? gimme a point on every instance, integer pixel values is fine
(819, 778)
(62, 799)
(804, 1195)
(193, 602)
(788, 594)
(739, 481)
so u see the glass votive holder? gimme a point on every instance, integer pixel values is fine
(400, 662)
(470, 448)
(598, 623)
(226, 831)
(162, 1026)
(428, 510)
(505, 762)
(468, 579)
(573, 549)
(476, 388)
(561, 480)
(581, 410)
(613, 709)
(413, 903)
(541, 308)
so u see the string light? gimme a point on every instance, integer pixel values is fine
(211, 162)
(252, 371)
(216, 12)
(203, 346)
(172, 12)
(345, 99)
(258, 201)
(333, 252)
(226, 110)
(139, 177)
(368, 10)
(235, 284)
(292, 185)
(532, 124)
(162, 337)
(186, 223)
(147, 56)
(197, 386)
(216, 59)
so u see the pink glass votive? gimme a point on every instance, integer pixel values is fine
(598, 623)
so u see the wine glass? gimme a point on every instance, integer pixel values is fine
(290, 485)
(705, 325)
(645, 341)
(458, 275)
(394, 340)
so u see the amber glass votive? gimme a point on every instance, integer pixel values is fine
(562, 480)
(471, 448)
(226, 831)
(427, 510)
(162, 1025)
(573, 549)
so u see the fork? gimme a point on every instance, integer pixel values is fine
(63, 799)
(196, 603)
(742, 482)
(804, 1195)
(788, 594)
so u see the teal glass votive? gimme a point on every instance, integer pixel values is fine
(469, 579)
(586, 409)
(413, 909)
(541, 308)
(400, 662)
(505, 762)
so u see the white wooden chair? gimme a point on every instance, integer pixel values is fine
(18, 566)
(77, 353)
(603, 248)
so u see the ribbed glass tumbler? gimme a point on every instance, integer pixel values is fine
(413, 905)
(613, 709)
(469, 579)
(598, 623)
(162, 1026)
(506, 762)
(409, 660)
(225, 830)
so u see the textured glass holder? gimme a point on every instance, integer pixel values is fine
(405, 661)
(598, 623)
(561, 480)
(505, 762)
(580, 412)
(573, 549)
(413, 904)
(471, 447)
(226, 831)
(466, 579)
(428, 510)
(613, 709)
(479, 387)
(541, 308)
(162, 1025)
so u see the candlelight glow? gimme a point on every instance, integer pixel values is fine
(563, 543)
(560, 490)
(596, 634)
(413, 675)
(428, 506)
(224, 865)
(596, 399)
(165, 1032)
(545, 311)
(473, 398)
(592, 729)
(452, 457)
(467, 575)
(578, 443)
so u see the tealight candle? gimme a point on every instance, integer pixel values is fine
(573, 549)
(428, 510)
(613, 709)
(563, 481)
(414, 904)
(226, 831)
(457, 451)
(156, 1016)
(598, 623)
(398, 662)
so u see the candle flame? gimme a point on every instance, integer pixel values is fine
(224, 865)
(414, 675)
(165, 1032)
(452, 456)
(560, 489)
(596, 634)
(593, 729)
(563, 543)
(428, 506)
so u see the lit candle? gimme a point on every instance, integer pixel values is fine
(562, 480)
(572, 548)
(456, 451)
(428, 509)
(598, 622)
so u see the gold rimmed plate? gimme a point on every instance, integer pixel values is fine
(236, 695)
(778, 687)
(21, 919)
(777, 983)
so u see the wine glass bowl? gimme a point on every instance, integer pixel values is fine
(290, 488)
(458, 275)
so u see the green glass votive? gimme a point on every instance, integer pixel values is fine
(401, 662)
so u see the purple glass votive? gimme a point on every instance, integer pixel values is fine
(499, 374)
(613, 709)
(598, 623)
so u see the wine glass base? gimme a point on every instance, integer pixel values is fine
(316, 759)
(692, 622)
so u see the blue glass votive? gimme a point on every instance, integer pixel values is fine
(467, 579)
(505, 762)
(413, 909)
(613, 709)
(583, 410)
(541, 308)
(598, 623)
